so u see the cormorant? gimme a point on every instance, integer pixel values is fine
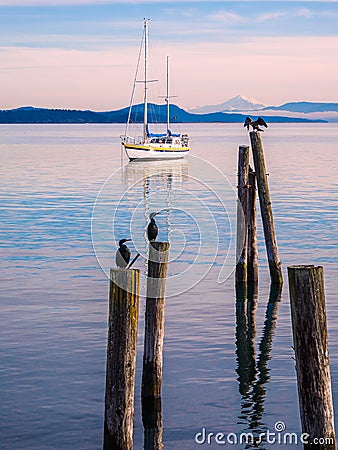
(152, 227)
(255, 123)
(123, 254)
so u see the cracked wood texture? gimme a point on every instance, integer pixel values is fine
(266, 208)
(154, 320)
(252, 230)
(307, 297)
(121, 358)
(242, 212)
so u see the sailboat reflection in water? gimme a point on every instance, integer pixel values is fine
(158, 185)
(154, 182)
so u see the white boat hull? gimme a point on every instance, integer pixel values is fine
(138, 151)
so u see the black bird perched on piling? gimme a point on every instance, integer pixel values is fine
(123, 254)
(152, 229)
(255, 124)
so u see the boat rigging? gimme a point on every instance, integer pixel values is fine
(153, 145)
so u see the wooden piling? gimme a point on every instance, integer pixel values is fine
(252, 230)
(154, 320)
(242, 211)
(307, 297)
(121, 358)
(266, 209)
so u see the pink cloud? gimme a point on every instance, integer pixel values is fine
(273, 70)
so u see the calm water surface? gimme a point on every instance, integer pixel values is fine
(54, 293)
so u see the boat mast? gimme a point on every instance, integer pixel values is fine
(145, 116)
(167, 97)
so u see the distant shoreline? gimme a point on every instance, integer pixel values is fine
(156, 114)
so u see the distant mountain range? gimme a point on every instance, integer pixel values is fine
(156, 114)
(305, 107)
(245, 105)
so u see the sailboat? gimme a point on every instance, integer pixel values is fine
(166, 145)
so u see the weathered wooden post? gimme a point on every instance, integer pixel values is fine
(121, 358)
(252, 230)
(154, 320)
(266, 209)
(242, 211)
(307, 297)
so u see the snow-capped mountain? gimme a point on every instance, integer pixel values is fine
(250, 106)
(238, 103)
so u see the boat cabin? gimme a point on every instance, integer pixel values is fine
(168, 140)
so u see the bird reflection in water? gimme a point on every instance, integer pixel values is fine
(252, 370)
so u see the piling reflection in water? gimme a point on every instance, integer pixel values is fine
(253, 372)
(152, 423)
(245, 336)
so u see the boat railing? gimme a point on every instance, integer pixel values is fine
(185, 140)
(131, 139)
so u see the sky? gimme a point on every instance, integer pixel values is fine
(82, 54)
